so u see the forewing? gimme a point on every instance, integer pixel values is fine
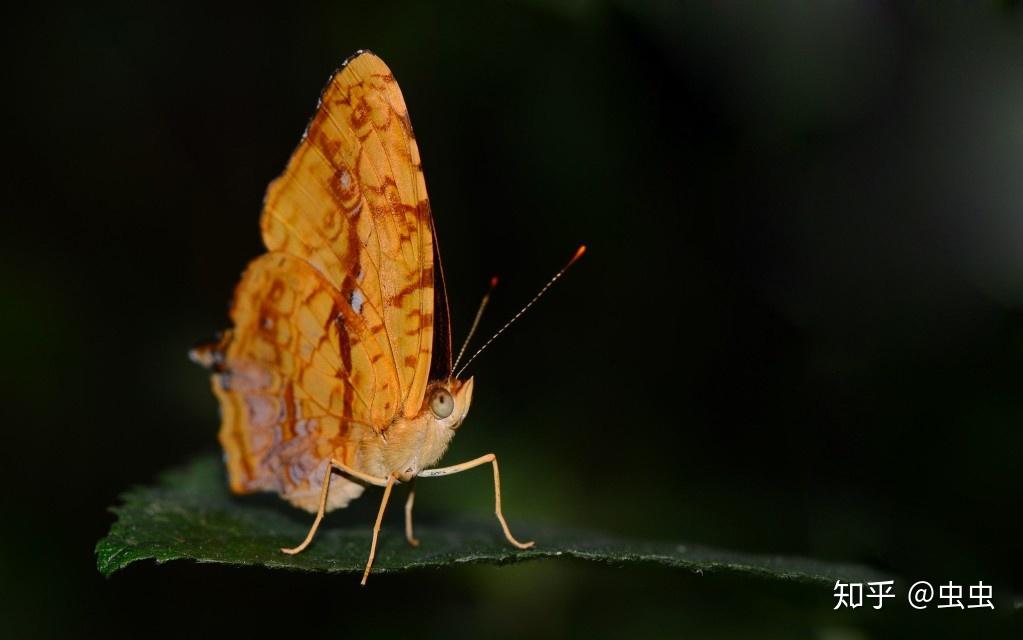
(441, 365)
(352, 203)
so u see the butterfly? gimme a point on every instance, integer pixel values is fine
(338, 370)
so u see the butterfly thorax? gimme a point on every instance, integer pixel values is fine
(410, 445)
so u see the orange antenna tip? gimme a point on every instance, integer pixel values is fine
(578, 254)
(475, 322)
(458, 372)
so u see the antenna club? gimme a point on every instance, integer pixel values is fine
(493, 281)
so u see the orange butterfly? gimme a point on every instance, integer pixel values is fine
(333, 364)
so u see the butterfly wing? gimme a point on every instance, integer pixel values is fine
(298, 382)
(352, 202)
(333, 329)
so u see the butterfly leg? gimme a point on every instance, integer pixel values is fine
(408, 513)
(465, 466)
(324, 490)
(376, 527)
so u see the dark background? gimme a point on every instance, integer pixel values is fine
(799, 328)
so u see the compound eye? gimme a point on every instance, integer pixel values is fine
(441, 403)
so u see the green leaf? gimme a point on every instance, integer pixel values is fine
(190, 514)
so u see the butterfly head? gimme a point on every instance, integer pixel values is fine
(447, 401)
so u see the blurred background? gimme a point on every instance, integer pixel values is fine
(799, 328)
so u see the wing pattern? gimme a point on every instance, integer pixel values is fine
(333, 328)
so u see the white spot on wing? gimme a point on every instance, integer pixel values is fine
(356, 301)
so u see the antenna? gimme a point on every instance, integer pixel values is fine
(578, 254)
(475, 322)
